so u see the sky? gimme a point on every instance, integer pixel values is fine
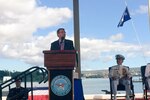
(27, 27)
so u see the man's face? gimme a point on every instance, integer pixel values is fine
(61, 34)
(18, 83)
(119, 61)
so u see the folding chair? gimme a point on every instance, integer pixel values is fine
(121, 87)
(144, 83)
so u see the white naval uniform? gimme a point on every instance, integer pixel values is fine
(147, 74)
(117, 73)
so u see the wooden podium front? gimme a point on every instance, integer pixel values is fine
(60, 65)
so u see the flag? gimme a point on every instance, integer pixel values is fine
(125, 17)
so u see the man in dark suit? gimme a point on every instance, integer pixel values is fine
(18, 93)
(62, 43)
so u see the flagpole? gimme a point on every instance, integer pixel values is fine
(77, 35)
(137, 36)
(125, 2)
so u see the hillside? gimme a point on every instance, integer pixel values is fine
(104, 73)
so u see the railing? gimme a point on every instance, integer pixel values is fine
(23, 75)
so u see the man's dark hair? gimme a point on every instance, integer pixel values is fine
(60, 29)
(18, 79)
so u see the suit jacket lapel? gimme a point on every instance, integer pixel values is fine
(58, 46)
(65, 45)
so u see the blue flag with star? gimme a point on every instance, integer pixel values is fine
(125, 17)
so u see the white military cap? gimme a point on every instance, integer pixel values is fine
(119, 56)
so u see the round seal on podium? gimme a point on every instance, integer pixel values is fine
(60, 85)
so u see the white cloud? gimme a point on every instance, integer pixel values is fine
(20, 18)
(30, 52)
(91, 49)
(143, 9)
(107, 58)
(117, 37)
(17, 6)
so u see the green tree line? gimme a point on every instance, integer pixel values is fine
(37, 76)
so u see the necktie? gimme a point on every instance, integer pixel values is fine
(61, 46)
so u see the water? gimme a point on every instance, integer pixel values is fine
(95, 85)
(90, 85)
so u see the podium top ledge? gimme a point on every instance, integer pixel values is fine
(59, 51)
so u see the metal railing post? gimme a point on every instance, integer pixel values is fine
(0, 92)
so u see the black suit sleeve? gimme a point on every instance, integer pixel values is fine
(10, 94)
(55, 45)
(72, 47)
(52, 47)
(18, 94)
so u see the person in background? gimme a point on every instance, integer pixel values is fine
(17, 93)
(119, 74)
(62, 43)
(147, 74)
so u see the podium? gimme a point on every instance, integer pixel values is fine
(60, 64)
